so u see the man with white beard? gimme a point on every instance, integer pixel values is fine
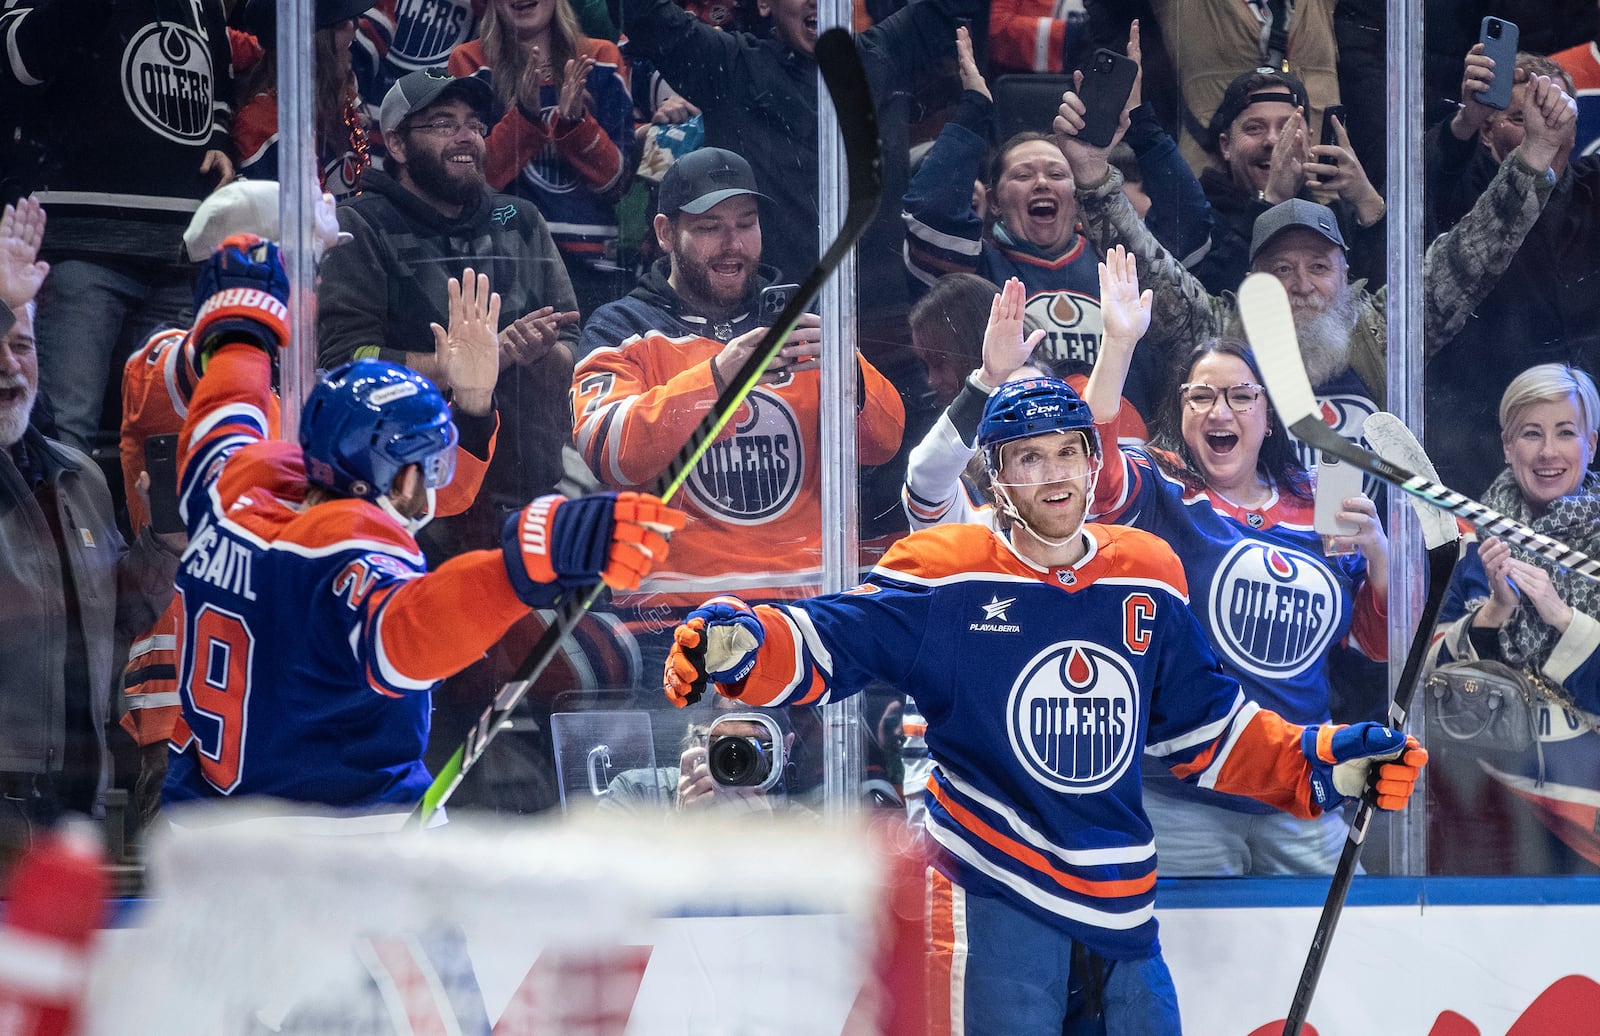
(1342, 328)
(73, 592)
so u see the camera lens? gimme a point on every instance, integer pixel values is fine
(738, 761)
(1494, 30)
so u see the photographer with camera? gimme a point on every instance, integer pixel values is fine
(732, 761)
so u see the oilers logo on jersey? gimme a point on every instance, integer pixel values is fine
(1071, 323)
(1346, 413)
(1073, 716)
(426, 31)
(755, 475)
(1273, 608)
(167, 82)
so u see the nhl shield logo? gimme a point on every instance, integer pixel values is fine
(1073, 717)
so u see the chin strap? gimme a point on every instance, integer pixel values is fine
(413, 525)
(1003, 500)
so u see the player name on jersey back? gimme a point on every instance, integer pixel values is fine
(220, 561)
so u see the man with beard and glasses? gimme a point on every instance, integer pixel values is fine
(415, 226)
(1342, 327)
(75, 593)
(417, 223)
(658, 359)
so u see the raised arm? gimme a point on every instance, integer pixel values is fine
(1183, 311)
(1125, 316)
(1464, 265)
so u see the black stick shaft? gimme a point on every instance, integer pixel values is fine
(1441, 564)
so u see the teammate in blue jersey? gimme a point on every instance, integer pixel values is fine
(1048, 656)
(312, 632)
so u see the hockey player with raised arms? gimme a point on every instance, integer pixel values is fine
(1048, 656)
(312, 632)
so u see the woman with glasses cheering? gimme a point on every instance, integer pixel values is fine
(1220, 481)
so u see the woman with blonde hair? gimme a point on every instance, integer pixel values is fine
(561, 131)
(1513, 607)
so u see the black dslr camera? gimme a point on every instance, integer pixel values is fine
(745, 750)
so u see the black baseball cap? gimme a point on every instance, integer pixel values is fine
(416, 90)
(1260, 84)
(704, 178)
(1296, 212)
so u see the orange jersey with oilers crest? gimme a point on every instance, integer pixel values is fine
(1042, 690)
(310, 636)
(157, 381)
(754, 499)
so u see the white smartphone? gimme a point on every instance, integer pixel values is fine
(1336, 481)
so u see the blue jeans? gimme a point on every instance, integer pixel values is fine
(1003, 970)
(91, 316)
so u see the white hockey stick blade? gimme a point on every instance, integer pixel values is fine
(1269, 325)
(1393, 441)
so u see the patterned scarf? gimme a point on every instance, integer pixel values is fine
(1525, 640)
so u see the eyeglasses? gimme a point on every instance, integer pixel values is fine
(1202, 397)
(444, 128)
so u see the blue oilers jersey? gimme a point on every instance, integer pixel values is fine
(310, 636)
(1042, 690)
(1271, 604)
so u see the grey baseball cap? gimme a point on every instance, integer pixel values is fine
(703, 178)
(1296, 212)
(416, 90)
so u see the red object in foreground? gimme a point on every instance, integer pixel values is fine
(55, 906)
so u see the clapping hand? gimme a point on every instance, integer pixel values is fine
(528, 339)
(574, 79)
(1289, 157)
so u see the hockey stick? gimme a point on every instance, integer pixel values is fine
(1264, 308)
(846, 82)
(1440, 535)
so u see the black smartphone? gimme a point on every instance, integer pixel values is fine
(1499, 39)
(774, 298)
(1027, 102)
(161, 462)
(1107, 82)
(1329, 134)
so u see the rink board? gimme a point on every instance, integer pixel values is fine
(1405, 952)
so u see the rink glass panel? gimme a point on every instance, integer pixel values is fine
(611, 669)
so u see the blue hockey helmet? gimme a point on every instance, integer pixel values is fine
(1033, 406)
(366, 420)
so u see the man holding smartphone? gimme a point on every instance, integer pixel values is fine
(655, 361)
(1260, 133)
